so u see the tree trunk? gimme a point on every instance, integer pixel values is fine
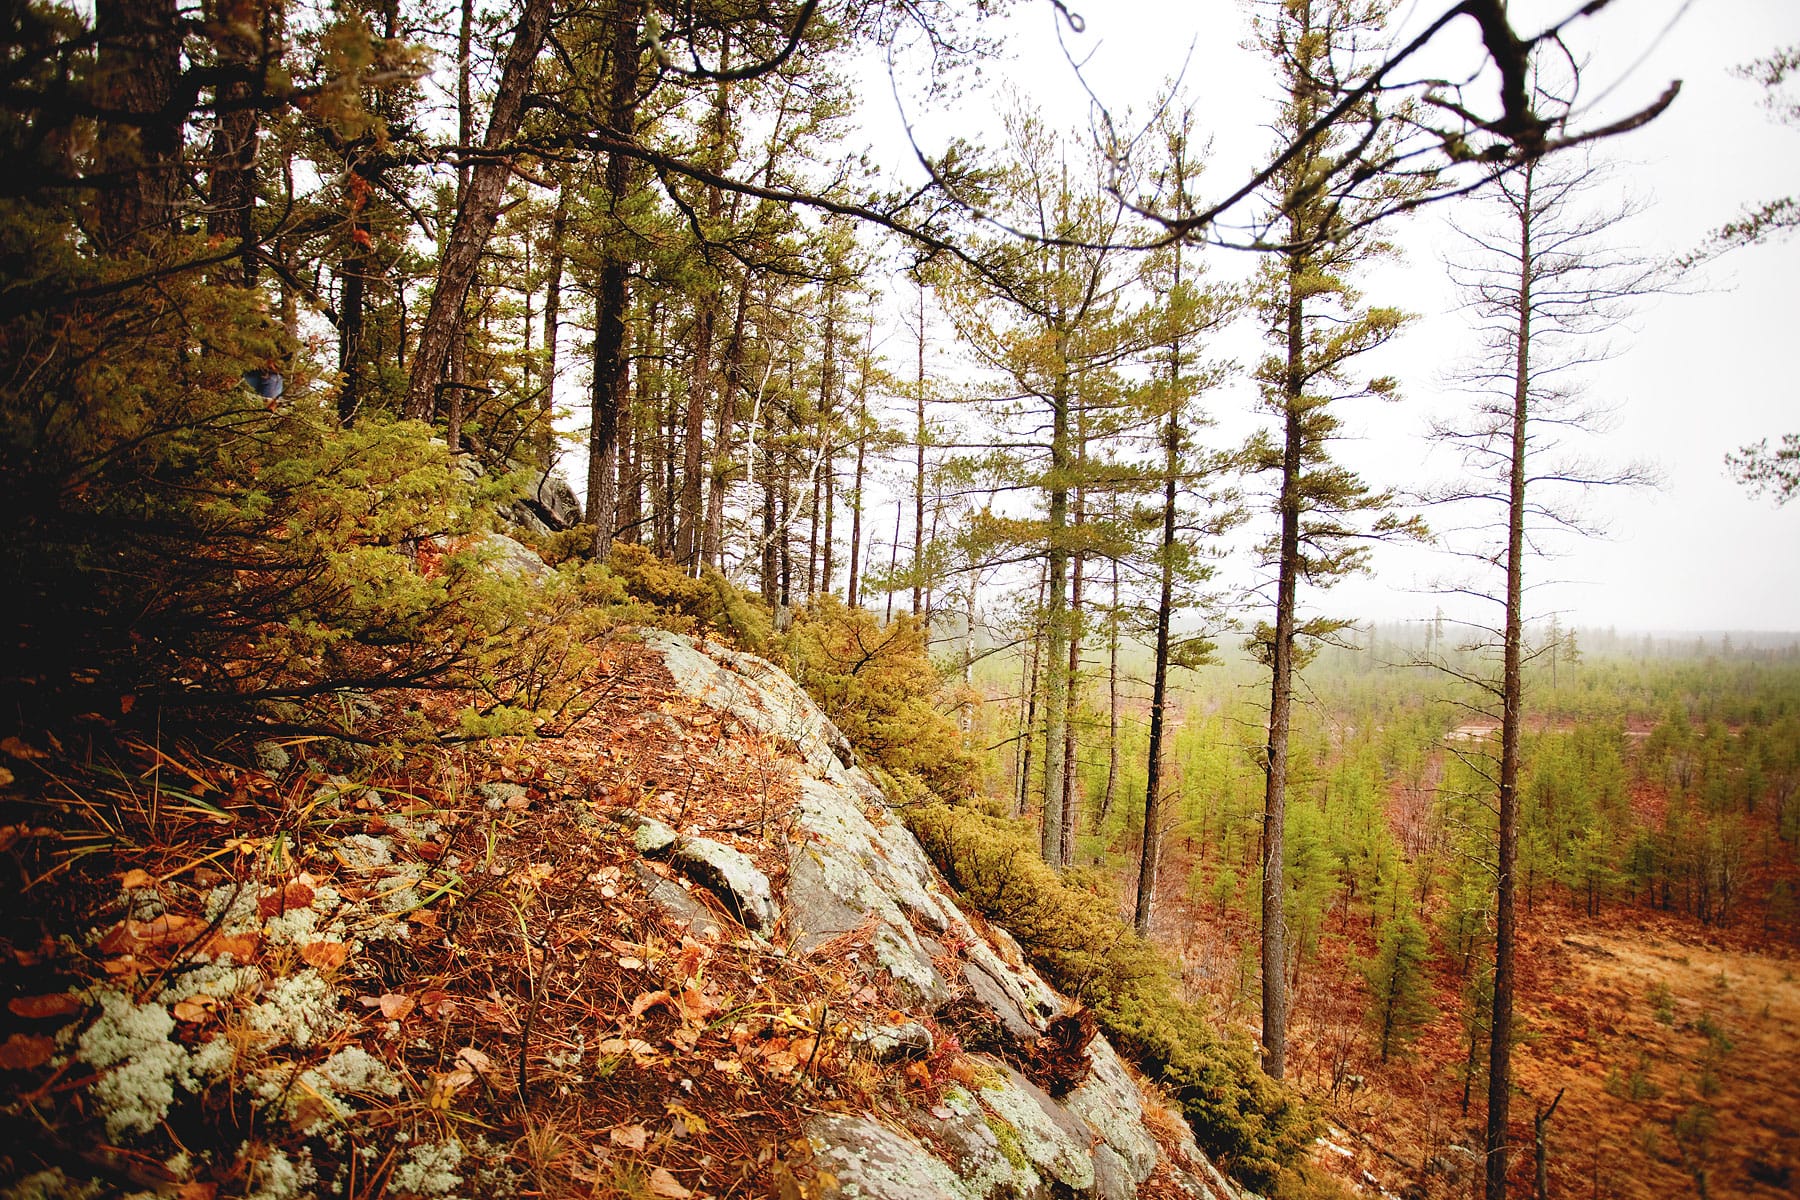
(1112, 704)
(1281, 692)
(1159, 687)
(730, 381)
(241, 42)
(559, 226)
(856, 502)
(611, 298)
(138, 158)
(476, 216)
(1511, 715)
(919, 476)
(1071, 785)
(1056, 621)
(687, 535)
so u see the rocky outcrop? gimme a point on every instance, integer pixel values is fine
(858, 881)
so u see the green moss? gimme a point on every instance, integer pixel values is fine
(1008, 1137)
(1251, 1124)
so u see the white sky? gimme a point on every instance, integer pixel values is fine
(1695, 376)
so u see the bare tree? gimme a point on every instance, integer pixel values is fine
(1542, 286)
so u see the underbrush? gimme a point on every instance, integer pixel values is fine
(1251, 1124)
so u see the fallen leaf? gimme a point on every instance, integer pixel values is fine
(326, 956)
(942, 1113)
(137, 877)
(126, 704)
(395, 1007)
(42, 1008)
(649, 1000)
(474, 1060)
(25, 1051)
(445, 1087)
(6, 777)
(197, 1191)
(728, 1066)
(693, 1125)
(696, 1005)
(194, 1009)
(631, 964)
(19, 749)
(295, 895)
(436, 1004)
(667, 1186)
(241, 946)
(143, 935)
(692, 954)
(630, 1137)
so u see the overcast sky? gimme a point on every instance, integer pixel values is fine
(1694, 375)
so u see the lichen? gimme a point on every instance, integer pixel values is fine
(52, 1185)
(275, 1176)
(429, 1169)
(297, 1010)
(140, 1067)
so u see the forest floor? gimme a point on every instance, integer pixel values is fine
(1672, 1044)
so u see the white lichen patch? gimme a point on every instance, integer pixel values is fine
(355, 1070)
(362, 852)
(275, 1176)
(140, 1065)
(297, 1010)
(217, 980)
(429, 1169)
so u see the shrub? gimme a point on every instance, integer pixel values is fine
(1251, 1124)
(876, 683)
(172, 540)
(709, 604)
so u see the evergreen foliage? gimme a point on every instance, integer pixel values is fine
(1399, 991)
(1251, 1123)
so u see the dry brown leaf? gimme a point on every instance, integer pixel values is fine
(692, 954)
(25, 1051)
(474, 1060)
(42, 1008)
(696, 1005)
(326, 956)
(241, 946)
(630, 1137)
(197, 1191)
(6, 777)
(19, 749)
(630, 963)
(667, 1186)
(296, 894)
(395, 1007)
(193, 1010)
(168, 929)
(436, 1004)
(649, 1000)
(137, 877)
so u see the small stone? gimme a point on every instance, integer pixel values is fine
(496, 794)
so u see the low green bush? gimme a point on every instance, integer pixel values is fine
(1252, 1125)
(709, 604)
(877, 682)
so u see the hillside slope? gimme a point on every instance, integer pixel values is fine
(684, 950)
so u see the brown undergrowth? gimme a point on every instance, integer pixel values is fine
(384, 972)
(1671, 1042)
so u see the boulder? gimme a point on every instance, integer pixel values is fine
(506, 556)
(856, 874)
(872, 1162)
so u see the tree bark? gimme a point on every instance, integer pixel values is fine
(1511, 714)
(138, 63)
(480, 210)
(1281, 690)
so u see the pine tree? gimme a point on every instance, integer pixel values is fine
(1399, 991)
(1317, 325)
